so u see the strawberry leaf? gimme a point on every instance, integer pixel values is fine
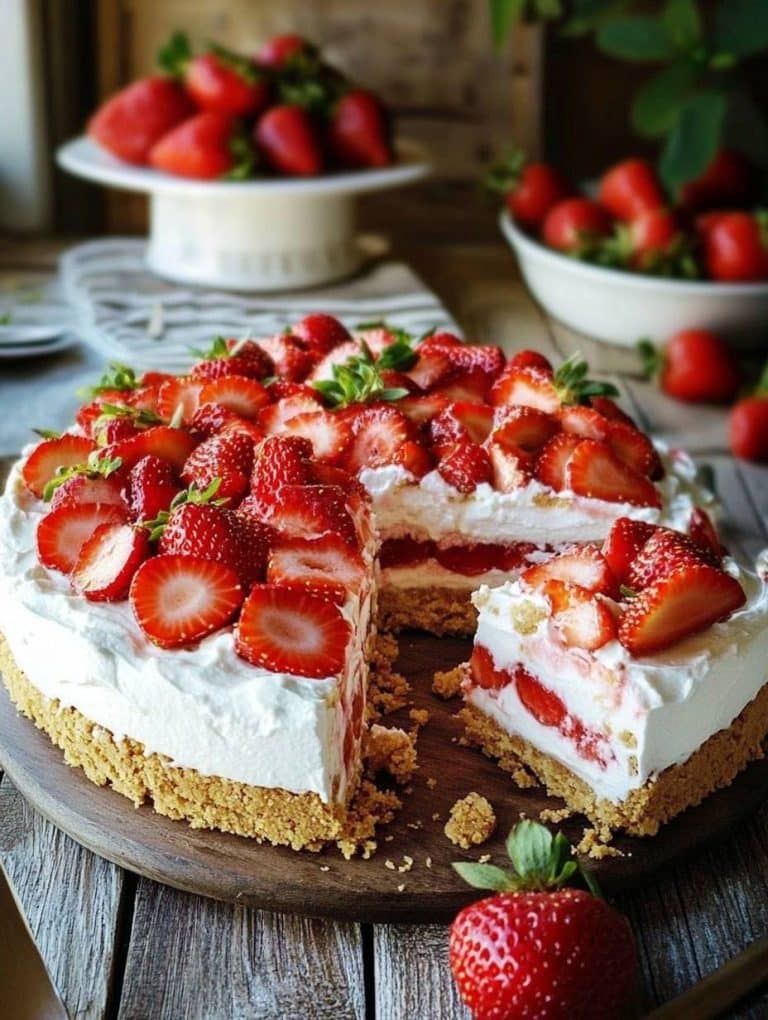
(486, 876)
(174, 55)
(119, 377)
(358, 380)
(573, 386)
(530, 848)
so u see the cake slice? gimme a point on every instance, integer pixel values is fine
(630, 680)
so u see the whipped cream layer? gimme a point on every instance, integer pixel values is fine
(431, 509)
(647, 714)
(205, 708)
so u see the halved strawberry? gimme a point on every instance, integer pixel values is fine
(543, 704)
(581, 620)
(83, 488)
(585, 567)
(324, 566)
(173, 445)
(178, 399)
(115, 430)
(108, 560)
(483, 672)
(238, 393)
(432, 368)
(308, 511)
(321, 473)
(704, 534)
(414, 458)
(551, 464)
(583, 421)
(467, 357)
(209, 419)
(155, 379)
(462, 419)
(663, 552)
(623, 544)
(321, 333)
(401, 552)
(635, 449)
(510, 469)
(178, 600)
(684, 602)
(50, 455)
(530, 359)
(62, 533)
(273, 418)
(152, 485)
(593, 470)
(234, 357)
(323, 370)
(422, 408)
(465, 466)
(532, 387)
(227, 456)
(471, 385)
(289, 631)
(254, 539)
(523, 428)
(291, 357)
(328, 433)
(470, 560)
(610, 410)
(377, 433)
(279, 461)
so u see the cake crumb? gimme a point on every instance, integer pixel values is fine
(472, 821)
(524, 779)
(401, 887)
(324, 867)
(406, 865)
(555, 815)
(392, 750)
(594, 844)
(447, 684)
(419, 717)
(387, 693)
(389, 838)
(371, 807)
(526, 617)
(390, 865)
(483, 858)
(431, 782)
(436, 816)
(428, 862)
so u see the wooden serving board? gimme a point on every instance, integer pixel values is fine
(233, 868)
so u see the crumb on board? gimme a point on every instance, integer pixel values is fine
(387, 690)
(406, 865)
(483, 858)
(324, 867)
(595, 842)
(419, 717)
(431, 782)
(447, 684)
(555, 815)
(524, 779)
(392, 750)
(371, 807)
(389, 865)
(472, 821)
(401, 887)
(428, 862)
(435, 816)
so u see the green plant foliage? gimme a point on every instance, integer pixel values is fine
(638, 39)
(694, 138)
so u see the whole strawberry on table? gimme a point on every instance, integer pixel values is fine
(709, 229)
(219, 114)
(537, 948)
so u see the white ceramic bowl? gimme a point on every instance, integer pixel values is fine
(620, 307)
(259, 235)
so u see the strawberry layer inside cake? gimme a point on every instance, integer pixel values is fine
(630, 681)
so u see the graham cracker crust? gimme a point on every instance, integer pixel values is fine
(713, 766)
(445, 612)
(298, 820)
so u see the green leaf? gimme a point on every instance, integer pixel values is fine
(486, 876)
(174, 55)
(47, 433)
(746, 128)
(741, 27)
(5, 318)
(118, 377)
(651, 358)
(694, 139)
(588, 15)
(504, 14)
(359, 379)
(529, 846)
(657, 104)
(682, 23)
(548, 10)
(640, 39)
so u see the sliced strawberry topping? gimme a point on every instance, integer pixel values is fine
(328, 474)
(595, 471)
(173, 445)
(523, 428)
(544, 705)
(279, 461)
(152, 485)
(471, 385)
(377, 433)
(634, 449)
(414, 458)
(328, 433)
(209, 419)
(532, 387)
(86, 489)
(178, 399)
(422, 408)
(292, 358)
(401, 552)
(704, 534)
(235, 357)
(530, 359)
(461, 420)
(686, 601)
(551, 465)
(308, 511)
(433, 368)
(465, 466)
(611, 410)
(583, 421)
(663, 552)
(512, 469)
(227, 456)
(582, 620)
(471, 559)
(483, 671)
(323, 370)
(108, 560)
(289, 631)
(177, 600)
(488, 360)
(585, 567)
(238, 393)
(273, 418)
(623, 544)
(324, 566)
(62, 533)
(321, 333)
(50, 455)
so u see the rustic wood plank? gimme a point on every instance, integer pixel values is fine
(202, 960)
(413, 978)
(72, 900)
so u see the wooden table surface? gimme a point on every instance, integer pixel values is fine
(122, 946)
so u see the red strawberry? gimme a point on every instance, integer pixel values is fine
(152, 485)
(511, 468)
(288, 140)
(83, 488)
(321, 333)
(433, 368)
(465, 356)
(610, 410)
(291, 357)
(465, 466)
(323, 369)
(62, 533)
(532, 387)
(695, 366)
(50, 455)
(686, 601)
(593, 470)
(398, 552)
(543, 704)
(421, 408)
(631, 188)
(585, 567)
(289, 631)
(414, 458)
(581, 620)
(308, 511)
(279, 461)
(471, 385)
(220, 81)
(623, 544)
(238, 393)
(663, 552)
(552, 461)
(227, 456)
(530, 359)
(254, 540)
(273, 419)
(212, 418)
(282, 50)
(155, 380)
(323, 566)
(635, 449)
(233, 357)
(359, 131)
(129, 123)
(378, 431)
(178, 600)
(115, 430)
(108, 560)
(748, 428)
(583, 421)
(470, 560)
(523, 428)
(475, 420)
(703, 533)
(541, 951)
(328, 474)
(179, 399)
(483, 672)
(173, 445)
(575, 225)
(207, 146)
(328, 433)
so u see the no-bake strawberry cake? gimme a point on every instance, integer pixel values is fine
(192, 576)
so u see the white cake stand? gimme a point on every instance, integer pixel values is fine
(258, 235)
